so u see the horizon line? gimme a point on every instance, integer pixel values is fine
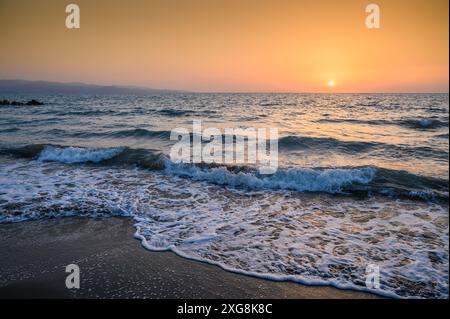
(174, 90)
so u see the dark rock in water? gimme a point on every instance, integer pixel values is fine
(16, 103)
(34, 102)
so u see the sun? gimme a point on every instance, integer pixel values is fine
(331, 83)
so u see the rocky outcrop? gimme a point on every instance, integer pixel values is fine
(34, 102)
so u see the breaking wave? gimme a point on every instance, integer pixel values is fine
(359, 181)
(71, 155)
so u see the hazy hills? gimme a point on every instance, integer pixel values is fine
(44, 87)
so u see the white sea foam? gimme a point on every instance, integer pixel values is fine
(71, 155)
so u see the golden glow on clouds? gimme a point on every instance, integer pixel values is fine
(230, 45)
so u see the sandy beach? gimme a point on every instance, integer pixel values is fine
(113, 264)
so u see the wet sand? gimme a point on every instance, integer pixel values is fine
(113, 264)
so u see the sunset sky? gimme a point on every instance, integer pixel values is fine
(228, 45)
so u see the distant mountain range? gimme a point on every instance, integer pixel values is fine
(44, 87)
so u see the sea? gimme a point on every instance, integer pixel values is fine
(359, 200)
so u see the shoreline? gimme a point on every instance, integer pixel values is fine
(114, 264)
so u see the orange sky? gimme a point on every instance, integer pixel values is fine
(230, 45)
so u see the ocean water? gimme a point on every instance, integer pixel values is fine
(362, 180)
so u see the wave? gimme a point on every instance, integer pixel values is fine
(285, 143)
(300, 142)
(424, 123)
(269, 103)
(420, 124)
(72, 155)
(302, 180)
(9, 130)
(399, 183)
(85, 113)
(130, 133)
(356, 181)
(139, 132)
(445, 136)
(291, 142)
(173, 112)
